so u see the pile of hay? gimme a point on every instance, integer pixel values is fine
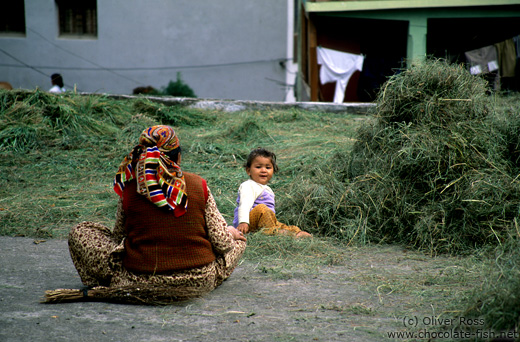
(34, 119)
(436, 169)
(497, 300)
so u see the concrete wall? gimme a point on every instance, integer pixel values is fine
(228, 49)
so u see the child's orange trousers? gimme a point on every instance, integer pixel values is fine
(264, 219)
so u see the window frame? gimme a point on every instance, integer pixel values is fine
(16, 13)
(77, 19)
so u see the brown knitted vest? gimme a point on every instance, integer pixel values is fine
(159, 242)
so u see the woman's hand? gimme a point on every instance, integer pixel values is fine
(243, 227)
(236, 234)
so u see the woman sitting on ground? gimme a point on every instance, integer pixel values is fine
(168, 232)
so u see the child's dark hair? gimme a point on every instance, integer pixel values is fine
(261, 152)
(57, 79)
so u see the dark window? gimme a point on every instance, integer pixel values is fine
(77, 18)
(12, 17)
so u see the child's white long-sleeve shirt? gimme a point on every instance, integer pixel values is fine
(248, 192)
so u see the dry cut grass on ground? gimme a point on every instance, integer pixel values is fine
(58, 166)
(59, 155)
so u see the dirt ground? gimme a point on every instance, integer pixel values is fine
(372, 293)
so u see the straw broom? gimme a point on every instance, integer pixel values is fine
(131, 294)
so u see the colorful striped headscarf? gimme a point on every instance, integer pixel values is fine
(158, 178)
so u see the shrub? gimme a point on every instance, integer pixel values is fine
(179, 88)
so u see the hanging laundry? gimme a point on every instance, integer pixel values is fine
(482, 60)
(506, 57)
(337, 66)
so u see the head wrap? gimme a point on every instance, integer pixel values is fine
(158, 177)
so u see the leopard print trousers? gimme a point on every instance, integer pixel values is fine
(97, 257)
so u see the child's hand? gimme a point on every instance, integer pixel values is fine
(243, 227)
(237, 235)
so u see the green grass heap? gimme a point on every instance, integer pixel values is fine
(436, 169)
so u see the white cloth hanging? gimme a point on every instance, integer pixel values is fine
(337, 66)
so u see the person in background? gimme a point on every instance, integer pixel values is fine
(57, 84)
(255, 202)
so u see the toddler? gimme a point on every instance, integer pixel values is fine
(255, 201)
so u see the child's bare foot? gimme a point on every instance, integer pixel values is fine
(303, 234)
